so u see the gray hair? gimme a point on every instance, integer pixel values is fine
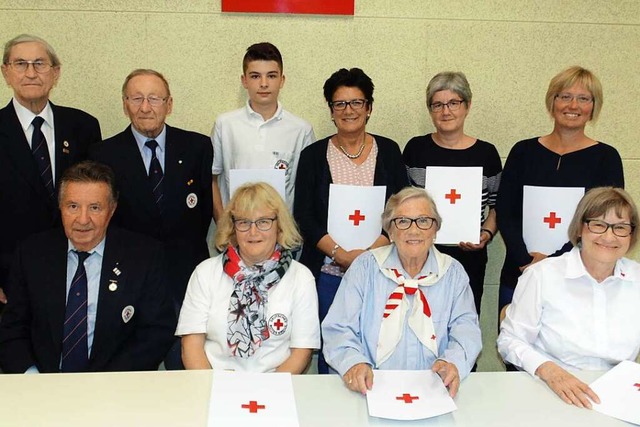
(454, 81)
(28, 38)
(402, 196)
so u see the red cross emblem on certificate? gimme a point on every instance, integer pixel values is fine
(356, 217)
(453, 196)
(637, 385)
(407, 398)
(552, 220)
(253, 406)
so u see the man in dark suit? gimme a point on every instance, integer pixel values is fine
(29, 173)
(91, 297)
(164, 179)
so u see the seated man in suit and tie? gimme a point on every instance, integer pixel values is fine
(90, 297)
(164, 178)
(38, 141)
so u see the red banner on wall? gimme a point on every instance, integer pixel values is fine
(320, 7)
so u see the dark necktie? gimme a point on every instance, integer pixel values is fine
(40, 153)
(155, 174)
(75, 351)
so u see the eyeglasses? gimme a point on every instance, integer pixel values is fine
(566, 98)
(154, 101)
(262, 224)
(22, 66)
(453, 105)
(356, 104)
(621, 229)
(422, 222)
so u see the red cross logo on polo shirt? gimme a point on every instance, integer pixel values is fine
(278, 324)
(453, 196)
(407, 398)
(356, 217)
(253, 406)
(552, 220)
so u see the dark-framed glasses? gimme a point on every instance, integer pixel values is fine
(567, 98)
(356, 104)
(453, 105)
(22, 65)
(154, 101)
(262, 224)
(621, 229)
(422, 222)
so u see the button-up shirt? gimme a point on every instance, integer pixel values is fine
(561, 314)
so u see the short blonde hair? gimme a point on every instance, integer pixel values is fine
(567, 78)
(597, 202)
(249, 198)
(402, 196)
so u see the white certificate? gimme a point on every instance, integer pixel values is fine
(355, 215)
(274, 177)
(546, 215)
(249, 399)
(457, 192)
(619, 392)
(408, 395)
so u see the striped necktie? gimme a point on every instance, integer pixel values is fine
(40, 152)
(155, 174)
(75, 352)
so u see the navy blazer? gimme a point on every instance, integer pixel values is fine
(25, 206)
(187, 172)
(32, 328)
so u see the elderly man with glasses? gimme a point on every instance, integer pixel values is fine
(164, 177)
(38, 141)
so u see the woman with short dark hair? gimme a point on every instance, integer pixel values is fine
(351, 156)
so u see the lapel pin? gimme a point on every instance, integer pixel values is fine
(192, 200)
(113, 286)
(179, 162)
(190, 182)
(117, 271)
(127, 313)
(65, 144)
(65, 151)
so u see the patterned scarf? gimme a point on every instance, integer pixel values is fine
(246, 321)
(397, 306)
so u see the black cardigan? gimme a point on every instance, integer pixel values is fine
(311, 202)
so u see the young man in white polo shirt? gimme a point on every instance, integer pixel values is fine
(261, 135)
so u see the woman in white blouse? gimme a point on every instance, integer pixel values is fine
(579, 311)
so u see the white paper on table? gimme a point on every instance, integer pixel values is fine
(619, 392)
(272, 394)
(546, 215)
(457, 192)
(355, 215)
(274, 177)
(408, 395)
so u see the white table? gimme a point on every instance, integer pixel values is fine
(181, 399)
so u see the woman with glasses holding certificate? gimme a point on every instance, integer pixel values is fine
(404, 306)
(566, 159)
(449, 103)
(353, 157)
(252, 308)
(579, 311)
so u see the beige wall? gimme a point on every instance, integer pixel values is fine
(508, 49)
